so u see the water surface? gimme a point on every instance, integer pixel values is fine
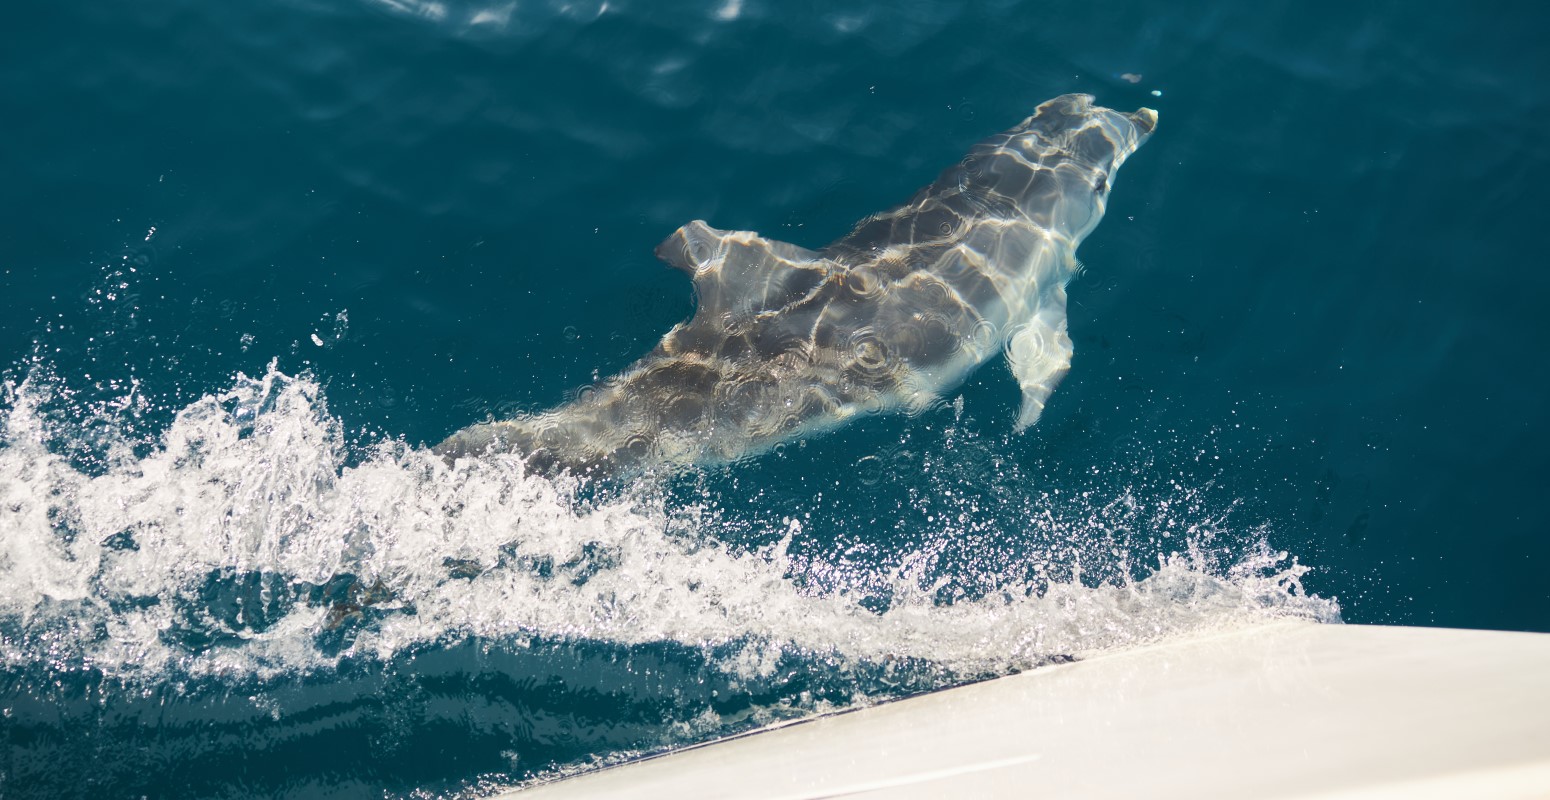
(254, 256)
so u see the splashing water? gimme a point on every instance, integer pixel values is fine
(241, 585)
(241, 542)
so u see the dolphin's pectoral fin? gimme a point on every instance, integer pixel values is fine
(1040, 355)
(740, 273)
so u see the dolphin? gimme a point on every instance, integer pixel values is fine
(786, 342)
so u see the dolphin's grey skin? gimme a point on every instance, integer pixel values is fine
(787, 342)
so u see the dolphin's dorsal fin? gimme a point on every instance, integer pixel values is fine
(1039, 353)
(740, 273)
(691, 248)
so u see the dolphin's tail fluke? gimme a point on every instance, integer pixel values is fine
(525, 437)
(586, 438)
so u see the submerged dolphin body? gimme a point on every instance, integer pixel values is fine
(787, 341)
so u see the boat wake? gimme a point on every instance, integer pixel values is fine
(245, 540)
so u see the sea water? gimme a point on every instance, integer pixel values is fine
(259, 255)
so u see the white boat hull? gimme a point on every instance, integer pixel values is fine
(1286, 710)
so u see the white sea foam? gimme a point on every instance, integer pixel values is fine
(219, 550)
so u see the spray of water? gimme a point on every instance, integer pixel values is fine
(242, 541)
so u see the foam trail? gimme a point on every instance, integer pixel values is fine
(244, 543)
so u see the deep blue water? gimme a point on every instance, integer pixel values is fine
(1313, 321)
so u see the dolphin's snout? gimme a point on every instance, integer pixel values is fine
(1145, 120)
